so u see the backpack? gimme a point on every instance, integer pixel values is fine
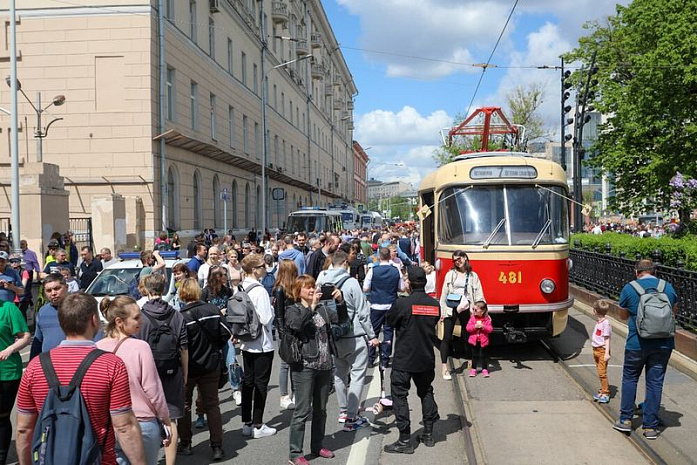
(269, 280)
(654, 318)
(63, 432)
(242, 316)
(164, 346)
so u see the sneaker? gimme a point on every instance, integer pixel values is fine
(447, 376)
(324, 453)
(237, 397)
(200, 422)
(343, 416)
(624, 426)
(651, 433)
(473, 373)
(356, 424)
(247, 430)
(287, 403)
(485, 373)
(299, 461)
(263, 431)
(399, 447)
(603, 398)
(596, 397)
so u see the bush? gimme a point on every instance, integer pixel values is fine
(672, 250)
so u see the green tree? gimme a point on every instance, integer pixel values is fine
(647, 63)
(523, 104)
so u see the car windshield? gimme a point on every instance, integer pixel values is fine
(118, 281)
(503, 215)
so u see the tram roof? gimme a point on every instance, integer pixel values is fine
(458, 171)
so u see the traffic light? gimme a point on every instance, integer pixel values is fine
(566, 85)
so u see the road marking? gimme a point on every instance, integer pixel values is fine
(359, 449)
(588, 365)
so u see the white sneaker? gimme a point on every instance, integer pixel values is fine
(263, 431)
(247, 430)
(237, 397)
(287, 403)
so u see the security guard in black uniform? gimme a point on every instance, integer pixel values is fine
(414, 320)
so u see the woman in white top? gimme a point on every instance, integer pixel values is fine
(214, 258)
(461, 288)
(234, 268)
(257, 355)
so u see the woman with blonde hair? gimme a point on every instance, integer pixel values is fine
(282, 293)
(148, 401)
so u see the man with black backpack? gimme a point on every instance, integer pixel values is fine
(99, 405)
(649, 305)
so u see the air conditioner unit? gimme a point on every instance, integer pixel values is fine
(214, 5)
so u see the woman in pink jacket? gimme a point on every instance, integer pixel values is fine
(147, 397)
(479, 327)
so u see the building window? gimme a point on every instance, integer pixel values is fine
(194, 106)
(211, 37)
(169, 9)
(197, 201)
(229, 56)
(290, 111)
(172, 199)
(255, 76)
(214, 134)
(275, 152)
(234, 204)
(244, 68)
(245, 134)
(171, 96)
(283, 104)
(192, 20)
(292, 160)
(292, 149)
(247, 206)
(216, 202)
(231, 122)
(275, 97)
(257, 141)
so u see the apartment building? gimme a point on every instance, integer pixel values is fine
(173, 118)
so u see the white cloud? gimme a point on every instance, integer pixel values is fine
(382, 127)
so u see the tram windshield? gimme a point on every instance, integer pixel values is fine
(503, 215)
(313, 223)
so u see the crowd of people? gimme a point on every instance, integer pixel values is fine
(328, 304)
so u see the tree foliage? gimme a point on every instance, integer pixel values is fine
(523, 103)
(647, 62)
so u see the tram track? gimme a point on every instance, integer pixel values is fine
(633, 437)
(466, 432)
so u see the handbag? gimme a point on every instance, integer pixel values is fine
(453, 300)
(290, 349)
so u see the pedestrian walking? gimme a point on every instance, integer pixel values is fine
(123, 317)
(414, 319)
(600, 341)
(649, 352)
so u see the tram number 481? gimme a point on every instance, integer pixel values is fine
(512, 277)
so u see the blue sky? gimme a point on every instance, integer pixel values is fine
(412, 63)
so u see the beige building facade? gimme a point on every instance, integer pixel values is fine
(105, 57)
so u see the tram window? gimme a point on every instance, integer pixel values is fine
(470, 216)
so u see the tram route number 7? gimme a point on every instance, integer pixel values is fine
(511, 277)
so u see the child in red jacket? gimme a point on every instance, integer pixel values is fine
(479, 327)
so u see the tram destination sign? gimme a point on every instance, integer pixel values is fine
(501, 172)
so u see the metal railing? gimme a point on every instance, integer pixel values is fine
(82, 232)
(606, 275)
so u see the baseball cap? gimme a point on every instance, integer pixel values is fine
(16, 257)
(417, 276)
(53, 243)
(3, 255)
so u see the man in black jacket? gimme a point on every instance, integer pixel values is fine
(414, 320)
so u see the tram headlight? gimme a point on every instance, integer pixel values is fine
(438, 265)
(547, 286)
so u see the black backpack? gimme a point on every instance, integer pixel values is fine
(63, 432)
(164, 346)
(242, 316)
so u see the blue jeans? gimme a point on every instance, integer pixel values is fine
(150, 430)
(655, 362)
(377, 318)
(234, 371)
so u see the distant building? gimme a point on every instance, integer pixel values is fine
(360, 170)
(382, 190)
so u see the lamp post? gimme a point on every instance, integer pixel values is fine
(40, 132)
(265, 141)
(14, 138)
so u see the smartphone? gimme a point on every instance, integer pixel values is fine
(327, 291)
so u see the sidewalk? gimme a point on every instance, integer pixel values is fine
(676, 444)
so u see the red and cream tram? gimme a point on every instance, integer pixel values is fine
(509, 212)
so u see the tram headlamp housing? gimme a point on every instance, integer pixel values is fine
(547, 286)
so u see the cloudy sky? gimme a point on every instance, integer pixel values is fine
(412, 63)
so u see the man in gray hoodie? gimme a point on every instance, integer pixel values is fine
(352, 349)
(291, 253)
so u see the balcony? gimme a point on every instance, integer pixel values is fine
(316, 40)
(349, 104)
(279, 12)
(301, 48)
(338, 103)
(317, 71)
(328, 90)
(337, 80)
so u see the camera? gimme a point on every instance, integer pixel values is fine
(327, 291)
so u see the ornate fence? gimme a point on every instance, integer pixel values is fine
(605, 274)
(82, 232)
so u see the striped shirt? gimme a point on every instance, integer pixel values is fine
(104, 388)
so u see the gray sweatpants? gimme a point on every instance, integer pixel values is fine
(352, 359)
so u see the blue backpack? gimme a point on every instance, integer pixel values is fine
(269, 280)
(63, 433)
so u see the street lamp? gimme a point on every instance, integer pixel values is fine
(265, 141)
(40, 133)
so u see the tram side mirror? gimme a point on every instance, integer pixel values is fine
(424, 212)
